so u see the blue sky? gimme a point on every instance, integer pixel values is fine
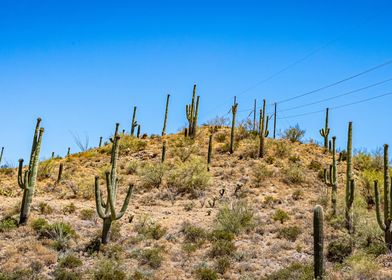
(83, 65)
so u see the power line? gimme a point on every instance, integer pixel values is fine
(339, 106)
(337, 83)
(336, 96)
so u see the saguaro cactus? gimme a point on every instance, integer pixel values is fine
(61, 167)
(254, 115)
(100, 142)
(318, 242)
(134, 122)
(234, 112)
(166, 115)
(27, 180)
(1, 154)
(350, 184)
(385, 224)
(192, 112)
(163, 151)
(325, 131)
(138, 131)
(263, 129)
(107, 211)
(68, 152)
(209, 152)
(331, 178)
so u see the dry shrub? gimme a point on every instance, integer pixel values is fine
(261, 171)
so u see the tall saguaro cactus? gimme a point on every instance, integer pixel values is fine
(385, 224)
(318, 242)
(28, 180)
(163, 152)
(192, 112)
(325, 131)
(107, 211)
(234, 112)
(263, 129)
(1, 154)
(166, 115)
(350, 184)
(134, 122)
(209, 155)
(331, 179)
(254, 115)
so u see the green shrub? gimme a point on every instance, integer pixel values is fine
(190, 177)
(281, 216)
(39, 224)
(222, 264)
(298, 194)
(45, 209)
(60, 233)
(221, 248)
(194, 234)
(108, 270)
(235, 218)
(151, 174)
(152, 257)
(69, 208)
(315, 165)
(260, 173)
(339, 249)
(295, 271)
(132, 167)
(8, 224)
(205, 273)
(282, 149)
(70, 261)
(150, 229)
(87, 214)
(290, 233)
(45, 169)
(221, 234)
(64, 274)
(129, 144)
(294, 174)
(183, 148)
(293, 133)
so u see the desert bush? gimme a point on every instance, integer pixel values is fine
(261, 172)
(297, 194)
(221, 248)
(282, 149)
(294, 174)
(69, 208)
(368, 161)
(218, 122)
(367, 179)
(45, 169)
(44, 208)
(222, 264)
(205, 273)
(315, 165)
(235, 217)
(139, 275)
(339, 249)
(183, 148)
(39, 224)
(70, 261)
(193, 234)
(130, 144)
(151, 174)
(132, 167)
(152, 257)
(190, 177)
(150, 229)
(59, 232)
(295, 271)
(293, 134)
(87, 214)
(249, 148)
(108, 269)
(290, 233)
(362, 266)
(65, 274)
(281, 216)
(7, 224)
(221, 137)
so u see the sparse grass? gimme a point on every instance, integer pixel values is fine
(235, 218)
(281, 216)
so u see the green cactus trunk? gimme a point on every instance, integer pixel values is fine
(263, 130)
(134, 122)
(325, 131)
(192, 112)
(163, 152)
(318, 242)
(166, 115)
(254, 115)
(334, 178)
(350, 184)
(1, 154)
(234, 113)
(209, 152)
(100, 142)
(138, 131)
(68, 152)
(27, 181)
(61, 167)
(106, 211)
(385, 224)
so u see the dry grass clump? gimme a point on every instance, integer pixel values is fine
(261, 172)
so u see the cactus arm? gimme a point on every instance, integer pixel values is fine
(378, 207)
(266, 133)
(325, 176)
(21, 182)
(125, 204)
(98, 200)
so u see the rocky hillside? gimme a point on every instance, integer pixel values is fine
(246, 218)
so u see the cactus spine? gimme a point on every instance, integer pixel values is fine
(325, 131)
(28, 180)
(331, 178)
(107, 211)
(166, 115)
(192, 111)
(263, 129)
(385, 224)
(318, 242)
(1, 154)
(350, 184)
(134, 122)
(209, 152)
(234, 112)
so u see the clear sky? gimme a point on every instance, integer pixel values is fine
(83, 65)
